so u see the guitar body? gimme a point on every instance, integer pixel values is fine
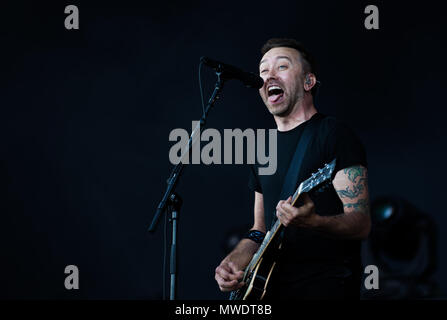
(259, 271)
(257, 284)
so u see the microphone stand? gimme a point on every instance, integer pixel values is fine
(172, 201)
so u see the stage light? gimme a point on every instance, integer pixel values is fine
(383, 212)
(402, 244)
(399, 231)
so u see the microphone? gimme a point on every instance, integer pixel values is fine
(249, 79)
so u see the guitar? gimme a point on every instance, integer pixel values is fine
(258, 272)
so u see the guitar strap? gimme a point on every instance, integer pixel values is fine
(291, 179)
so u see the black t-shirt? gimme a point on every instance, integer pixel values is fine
(306, 253)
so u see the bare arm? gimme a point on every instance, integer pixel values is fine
(246, 248)
(229, 272)
(351, 185)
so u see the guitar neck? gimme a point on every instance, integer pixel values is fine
(271, 234)
(274, 230)
(317, 179)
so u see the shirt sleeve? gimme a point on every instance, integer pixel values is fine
(253, 180)
(344, 145)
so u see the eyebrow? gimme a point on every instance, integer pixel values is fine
(277, 58)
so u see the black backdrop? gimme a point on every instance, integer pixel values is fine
(86, 115)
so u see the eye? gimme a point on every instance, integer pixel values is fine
(263, 71)
(282, 67)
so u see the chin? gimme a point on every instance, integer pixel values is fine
(280, 111)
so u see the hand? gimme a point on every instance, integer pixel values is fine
(228, 276)
(303, 216)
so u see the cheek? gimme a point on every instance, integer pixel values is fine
(295, 86)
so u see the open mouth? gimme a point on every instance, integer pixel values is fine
(275, 93)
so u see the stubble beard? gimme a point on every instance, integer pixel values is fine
(281, 110)
(286, 107)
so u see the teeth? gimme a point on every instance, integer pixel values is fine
(274, 88)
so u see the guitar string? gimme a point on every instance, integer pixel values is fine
(313, 181)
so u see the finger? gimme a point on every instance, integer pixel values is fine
(282, 217)
(238, 274)
(235, 273)
(227, 285)
(280, 211)
(279, 214)
(225, 266)
(228, 274)
(287, 203)
(279, 204)
(224, 274)
(287, 209)
(221, 285)
(222, 282)
(283, 212)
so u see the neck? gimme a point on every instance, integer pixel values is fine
(303, 111)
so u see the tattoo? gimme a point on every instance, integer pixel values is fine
(361, 205)
(358, 186)
(355, 195)
(357, 190)
(354, 172)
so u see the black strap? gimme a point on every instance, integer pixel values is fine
(291, 180)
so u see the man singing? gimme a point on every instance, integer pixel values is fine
(320, 252)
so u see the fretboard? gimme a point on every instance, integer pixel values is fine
(271, 234)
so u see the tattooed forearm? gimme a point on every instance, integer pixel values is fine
(361, 205)
(351, 185)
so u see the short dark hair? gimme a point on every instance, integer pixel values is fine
(307, 60)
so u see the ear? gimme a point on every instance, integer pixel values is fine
(309, 81)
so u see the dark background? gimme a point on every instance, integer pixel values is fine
(86, 115)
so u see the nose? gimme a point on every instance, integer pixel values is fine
(271, 72)
(271, 75)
